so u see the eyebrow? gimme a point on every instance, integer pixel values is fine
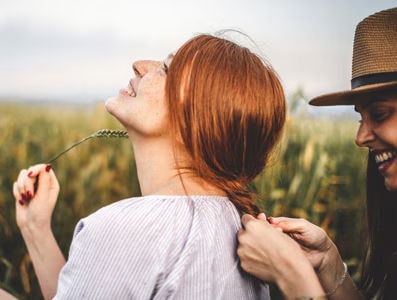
(370, 102)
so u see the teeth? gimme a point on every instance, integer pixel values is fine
(131, 91)
(382, 157)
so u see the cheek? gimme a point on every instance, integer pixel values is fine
(387, 134)
(146, 115)
(154, 124)
(152, 88)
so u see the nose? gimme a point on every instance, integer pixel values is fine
(365, 135)
(141, 67)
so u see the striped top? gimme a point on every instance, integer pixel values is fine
(158, 247)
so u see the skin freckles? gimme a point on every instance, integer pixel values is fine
(141, 107)
(377, 133)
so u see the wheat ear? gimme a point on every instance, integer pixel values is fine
(103, 133)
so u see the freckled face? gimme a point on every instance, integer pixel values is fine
(141, 107)
(378, 132)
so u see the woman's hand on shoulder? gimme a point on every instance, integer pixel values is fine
(35, 191)
(313, 240)
(271, 255)
(264, 248)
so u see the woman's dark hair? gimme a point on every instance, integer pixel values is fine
(379, 277)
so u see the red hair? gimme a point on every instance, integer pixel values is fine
(228, 106)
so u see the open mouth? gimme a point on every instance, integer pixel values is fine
(130, 89)
(131, 92)
(384, 159)
(127, 92)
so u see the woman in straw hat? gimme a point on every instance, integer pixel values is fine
(271, 255)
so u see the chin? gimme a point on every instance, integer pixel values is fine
(391, 186)
(110, 105)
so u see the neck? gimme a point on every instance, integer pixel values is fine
(158, 174)
(155, 164)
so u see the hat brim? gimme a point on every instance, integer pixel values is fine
(351, 97)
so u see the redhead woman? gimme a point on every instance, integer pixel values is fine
(202, 124)
(374, 97)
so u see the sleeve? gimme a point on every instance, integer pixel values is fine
(113, 255)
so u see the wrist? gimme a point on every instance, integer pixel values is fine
(32, 233)
(339, 282)
(300, 281)
(333, 273)
(331, 268)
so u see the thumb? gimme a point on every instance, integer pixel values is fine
(47, 183)
(246, 218)
(262, 217)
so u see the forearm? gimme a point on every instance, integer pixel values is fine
(6, 296)
(299, 280)
(347, 290)
(47, 258)
(335, 278)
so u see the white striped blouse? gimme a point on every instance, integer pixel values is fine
(158, 247)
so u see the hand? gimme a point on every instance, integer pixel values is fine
(35, 191)
(271, 255)
(6, 296)
(264, 249)
(313, 240)
(320, 251)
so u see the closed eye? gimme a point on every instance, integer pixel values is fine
(379, 116)
(165, 68)
(136, 71)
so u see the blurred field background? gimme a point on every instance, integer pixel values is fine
(316, 173)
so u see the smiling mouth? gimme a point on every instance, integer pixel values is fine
(384, 159)
(130, 88)
(130, 91)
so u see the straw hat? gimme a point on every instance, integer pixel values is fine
(374, 66)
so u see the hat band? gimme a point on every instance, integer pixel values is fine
(373, 79)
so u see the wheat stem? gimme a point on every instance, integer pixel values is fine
(103, 133)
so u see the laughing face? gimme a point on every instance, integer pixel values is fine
(140, 107)
(378, 132)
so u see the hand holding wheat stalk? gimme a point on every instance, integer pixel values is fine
(103, 133)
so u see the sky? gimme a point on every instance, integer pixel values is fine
(82, 51)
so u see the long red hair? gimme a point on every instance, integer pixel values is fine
(228, 106)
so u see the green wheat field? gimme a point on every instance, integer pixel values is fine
(317, 173)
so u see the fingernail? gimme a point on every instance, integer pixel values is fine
(48, 167)
(30, 173)
(20, 201)
(24, 196)
(262, 216)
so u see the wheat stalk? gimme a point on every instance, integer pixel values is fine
(103, 133)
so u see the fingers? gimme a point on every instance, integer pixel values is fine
(261, 216)
(17, 195)
(289, 225)
(48, 181)
(25, 187)
(246, 218)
